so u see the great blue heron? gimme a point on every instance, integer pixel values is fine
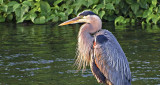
(101, 50)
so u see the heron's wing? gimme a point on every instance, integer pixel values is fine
(96, 71)
(110, 59)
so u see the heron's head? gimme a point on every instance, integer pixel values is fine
(83, 17)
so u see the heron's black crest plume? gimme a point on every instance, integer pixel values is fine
(85, 13)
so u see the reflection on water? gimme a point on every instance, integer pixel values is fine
(44, 54)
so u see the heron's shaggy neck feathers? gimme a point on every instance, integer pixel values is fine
(85, 41)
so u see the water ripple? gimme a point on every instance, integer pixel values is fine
(32, 69)
(42, 61)
(17, 55)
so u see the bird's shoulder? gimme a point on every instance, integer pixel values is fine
(106, 37)
(105, 34)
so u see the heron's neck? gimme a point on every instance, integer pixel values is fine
(84, 36)
(94, 25)
(85, 41)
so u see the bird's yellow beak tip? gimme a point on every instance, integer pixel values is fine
(60, 25)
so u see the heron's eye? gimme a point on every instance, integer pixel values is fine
(81, 16)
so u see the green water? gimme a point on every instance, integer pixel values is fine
(45, 54)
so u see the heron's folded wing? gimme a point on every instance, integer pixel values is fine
(96, 71)
(111, 60)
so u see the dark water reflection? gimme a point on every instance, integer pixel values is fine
(44, 54)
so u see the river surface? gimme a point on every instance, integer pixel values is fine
(45, 54)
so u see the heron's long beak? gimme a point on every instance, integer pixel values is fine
(71, 21)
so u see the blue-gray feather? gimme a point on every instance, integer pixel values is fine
(101, 39)
(96, 71)
(110, 59)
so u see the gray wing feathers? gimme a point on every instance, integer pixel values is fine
(96, 71)
(111, 60)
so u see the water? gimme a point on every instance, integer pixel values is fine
(45, 54)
